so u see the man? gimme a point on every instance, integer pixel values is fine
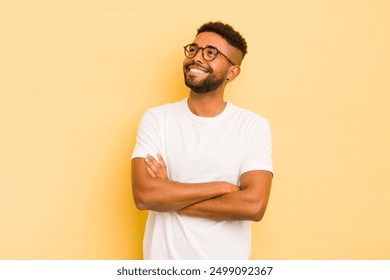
(203, 166)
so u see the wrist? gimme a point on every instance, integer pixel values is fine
(230, 187)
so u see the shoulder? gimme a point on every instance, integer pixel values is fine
(168, 107)
(247, 117)
(162, 111)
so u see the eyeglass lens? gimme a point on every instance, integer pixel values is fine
(208, 53)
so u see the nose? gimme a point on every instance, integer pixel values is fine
(199, 56)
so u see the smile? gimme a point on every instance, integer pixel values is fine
(196, 70)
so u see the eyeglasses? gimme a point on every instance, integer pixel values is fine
(209, 53)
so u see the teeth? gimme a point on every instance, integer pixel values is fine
(195, 70)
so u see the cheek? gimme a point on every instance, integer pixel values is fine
(220, 71)
(187, 61)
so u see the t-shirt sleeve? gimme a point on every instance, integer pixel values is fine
(258, 151)
(148, 138)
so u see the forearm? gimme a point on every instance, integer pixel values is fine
(249, 203)
(235, 206)
(159, 194)
(163, 196)
(153, 190)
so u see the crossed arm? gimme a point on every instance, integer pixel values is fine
(152, 190)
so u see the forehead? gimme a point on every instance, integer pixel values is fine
(212, 39)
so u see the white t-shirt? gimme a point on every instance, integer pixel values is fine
(201, 149)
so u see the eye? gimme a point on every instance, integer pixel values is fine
(192, 49)
(211, 52)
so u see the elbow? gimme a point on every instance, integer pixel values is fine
(142, 196)
(257, 213)
(145, 200)
(257, 217)
(141, 206)
(140, 203)
(141, 200)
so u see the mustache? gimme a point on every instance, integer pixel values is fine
(200, 66)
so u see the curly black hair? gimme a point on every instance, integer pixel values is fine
(227, 32)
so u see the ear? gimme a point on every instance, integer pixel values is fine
(233, 72)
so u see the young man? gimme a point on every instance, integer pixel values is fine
(203, 166)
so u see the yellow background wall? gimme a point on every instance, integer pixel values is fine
(76, 76)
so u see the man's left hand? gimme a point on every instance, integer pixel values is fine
(156, 168)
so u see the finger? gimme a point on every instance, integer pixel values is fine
(161, 160)
(150, 164)
(155, 166)
(152, 160)
(150, 171)
(163, 165)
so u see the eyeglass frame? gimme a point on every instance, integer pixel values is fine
(201, 48)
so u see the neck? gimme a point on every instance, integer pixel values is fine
(206, 104)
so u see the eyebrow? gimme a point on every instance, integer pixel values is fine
(208, 46)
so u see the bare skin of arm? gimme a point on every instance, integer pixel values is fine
(249, 203)
(158, 193)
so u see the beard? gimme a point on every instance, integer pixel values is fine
(208, 84)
